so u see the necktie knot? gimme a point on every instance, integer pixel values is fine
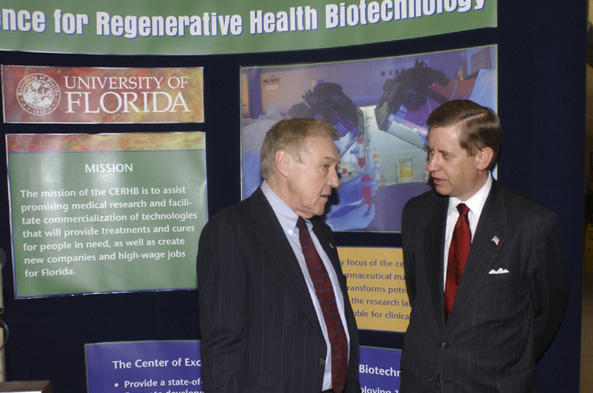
(301, 224)
(463, 209)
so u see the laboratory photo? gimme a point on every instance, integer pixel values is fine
(379, 108)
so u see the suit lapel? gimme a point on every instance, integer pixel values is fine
(434, 237)
(279, 254)
(328, 245)
(488, 240)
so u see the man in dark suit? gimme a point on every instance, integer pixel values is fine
(274, 311)
(486, 281)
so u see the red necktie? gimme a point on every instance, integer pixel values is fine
(327, 301)
(458, 251)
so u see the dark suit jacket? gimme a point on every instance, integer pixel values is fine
(260, 332)
(500, 323)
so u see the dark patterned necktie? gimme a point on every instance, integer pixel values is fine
(458, 251)
(327, 300)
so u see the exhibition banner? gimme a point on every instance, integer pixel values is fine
(175, 367)
(105, 212)
(376, 287)
(379, 370)
(182, 27)
(145, 366)
(102, 95)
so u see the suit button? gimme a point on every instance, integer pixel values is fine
(322, 362)
(432, 378)
(443, 345)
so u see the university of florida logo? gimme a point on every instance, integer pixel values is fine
(38, 94)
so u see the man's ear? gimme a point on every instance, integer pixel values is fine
(484, 157)
(282, 159)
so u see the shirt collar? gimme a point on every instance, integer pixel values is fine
(287, 217)
(475, 202)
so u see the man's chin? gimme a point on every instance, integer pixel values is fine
(320, 209)
(442, 190)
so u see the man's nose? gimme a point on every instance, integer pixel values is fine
(334, 179)
(432, 163)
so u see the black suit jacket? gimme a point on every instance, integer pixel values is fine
(260, 332)
(508, 306)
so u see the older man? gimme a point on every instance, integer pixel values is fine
(274, 312)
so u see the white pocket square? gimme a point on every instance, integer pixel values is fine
(499, 271)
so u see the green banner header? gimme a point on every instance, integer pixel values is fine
(182, 27)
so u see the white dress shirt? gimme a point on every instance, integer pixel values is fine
(475, 204)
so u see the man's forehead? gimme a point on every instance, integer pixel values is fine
(447, 135)
(320, 143)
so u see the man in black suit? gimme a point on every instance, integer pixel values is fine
(486, 281)
(274, 311)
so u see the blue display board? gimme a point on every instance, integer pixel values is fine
(379, 370)
(175, 367)
(147, 366)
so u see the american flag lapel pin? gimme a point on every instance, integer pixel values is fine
(495, 240)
